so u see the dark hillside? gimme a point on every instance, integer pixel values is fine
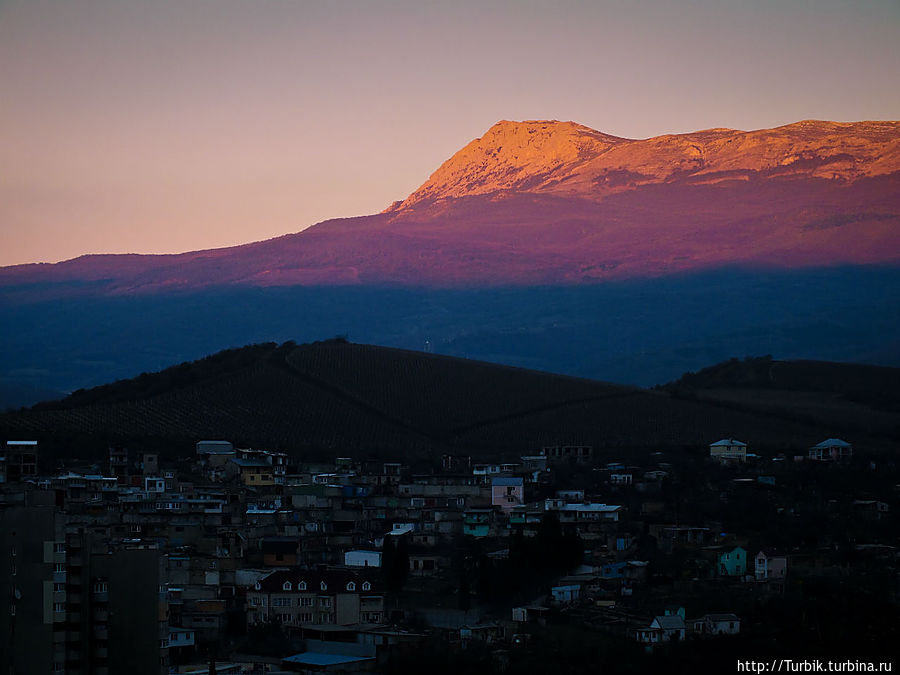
(848, 396)
(448, 393)
(764, 372)
(333, 396)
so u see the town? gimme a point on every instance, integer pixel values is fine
(237, 560)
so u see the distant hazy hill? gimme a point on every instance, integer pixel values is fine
(339, 397)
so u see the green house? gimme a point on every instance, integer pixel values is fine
(733, 563)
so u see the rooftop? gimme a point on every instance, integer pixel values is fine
(322, 659)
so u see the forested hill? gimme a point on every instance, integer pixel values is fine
(336, 397)
(848, 396)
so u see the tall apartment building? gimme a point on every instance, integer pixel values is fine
(117, 608)
(78, 602)
(33, 573)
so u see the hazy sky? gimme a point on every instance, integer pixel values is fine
(170, 125)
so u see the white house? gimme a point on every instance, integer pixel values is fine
(662, 629)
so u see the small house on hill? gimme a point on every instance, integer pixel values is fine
(733, 563)
(717, 624)
(832, 449)
(662, 629)
(728, 450)
(770, 566)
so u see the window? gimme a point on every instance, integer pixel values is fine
(325, 602)
(351, 586)
(305, 602)
(59, 607)
(59, 567)
(59, 548)
(286, 586)
(367, 586)
(301, 586)
(99, 587)
(323, 586)
(59, 588)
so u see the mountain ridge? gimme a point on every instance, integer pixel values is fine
(569, 158)
(548, 202)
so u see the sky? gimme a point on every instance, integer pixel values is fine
(159, 126)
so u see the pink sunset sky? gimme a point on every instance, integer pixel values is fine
(158, 126)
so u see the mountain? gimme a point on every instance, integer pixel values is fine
(544, 245)
(335, 396)
(547, 202)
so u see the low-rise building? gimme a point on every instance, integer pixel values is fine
(728, 450)
(662, 629)
(770, 566)
(831, 449)
(733, 563)
(717, 624)
(507, 493)
(330, 597)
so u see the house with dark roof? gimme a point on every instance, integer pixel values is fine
(662, 629)
(296, 598)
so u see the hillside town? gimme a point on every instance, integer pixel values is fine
(237, 560)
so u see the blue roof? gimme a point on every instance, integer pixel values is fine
(833, 443)
(503, 482)
(322, 659)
